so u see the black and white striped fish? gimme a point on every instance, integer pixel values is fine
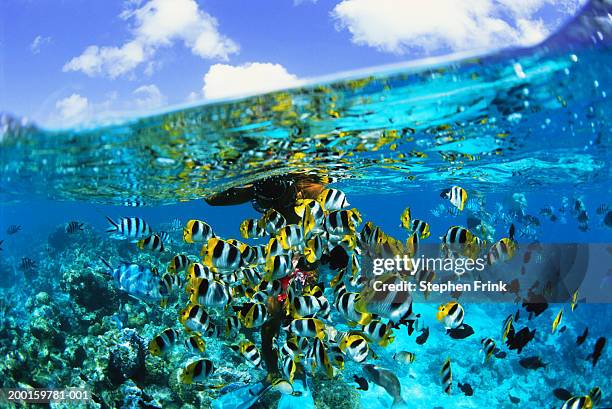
(13, 228)
(456, 195)
(211, 293)
(195, 344)
(165, 237)
(488, 347)
(163, 342)
(74, 227)
(197, 371)
(199, 270)
(195, 319)
(333, 199)
(151, 243)
(128, 228)
(249, 351)
(446, 374)
(27, 264)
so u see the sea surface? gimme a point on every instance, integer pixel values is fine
(526, 133)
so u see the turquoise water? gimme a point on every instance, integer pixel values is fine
(525, 132)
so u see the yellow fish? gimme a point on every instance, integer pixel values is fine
(557, 320)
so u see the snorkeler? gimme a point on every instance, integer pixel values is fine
(278, 192)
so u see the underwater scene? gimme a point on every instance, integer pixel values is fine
(430, 235)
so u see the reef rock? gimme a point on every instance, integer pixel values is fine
(127, 358)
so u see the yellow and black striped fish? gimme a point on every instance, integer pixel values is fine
(151, 243)
(221, 256)
(396, 306)
(346, 304)
(252, 315)
(332, 199)
(578, 402)
(178, 263)
(272, 221)
(342, 222)
(312, 215)
(291, 237)
(197, 371)
(163, 342)
(336, 356)
(307, 327)
(195, 319)
(199, 270)
(232, 326)
(456, 195)
(251, 229)
(355, 346)
(305, 306)
(421, 228)
(197, 231)
(503, 250)
(274, 247)
(318, 357)
(195, 344)
(314, 249)
(379, 332)
(289, 368)
(574, 301)
(211, 293)
(595, 395)
(446, 374)
(405, 219)
(507, 327)
(316, 211)
(371, 236)
(488, 347)
(451, 314)
(249, 351)
(291, 348)
(457, 235)
(277, 266)
(168, 284)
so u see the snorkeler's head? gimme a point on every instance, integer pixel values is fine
(274, 192)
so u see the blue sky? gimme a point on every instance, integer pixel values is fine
(69, 61)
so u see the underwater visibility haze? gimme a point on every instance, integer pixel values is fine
(228, 255)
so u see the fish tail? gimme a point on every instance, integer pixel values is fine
(398, 403)
(107, 264)
(113, 226)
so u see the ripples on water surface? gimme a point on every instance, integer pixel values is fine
(535, 118)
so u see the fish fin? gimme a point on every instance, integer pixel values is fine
(113, 226)
(107, 264)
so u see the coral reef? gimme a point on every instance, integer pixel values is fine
(127, 358)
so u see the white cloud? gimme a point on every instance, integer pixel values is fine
(156, 24)
(149, 97)
(38, 42)
(222, 80)
(400, 25)
(73, 108)
(111, 61)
